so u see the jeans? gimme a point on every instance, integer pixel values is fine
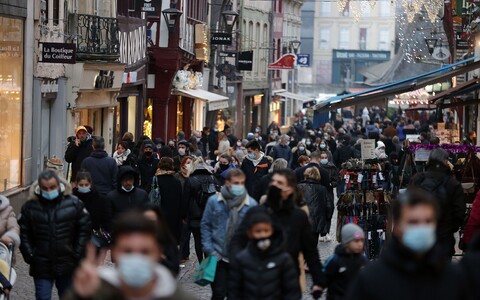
(43, 287)
(185, 242)
(219, 285)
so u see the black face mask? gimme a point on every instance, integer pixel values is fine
(274, 198)
(148, 154)
(224, 167)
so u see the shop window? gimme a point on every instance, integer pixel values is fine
(132, 115)
(148, 116)
(11, 86)
(179, 114)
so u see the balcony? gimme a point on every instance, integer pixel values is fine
(96, 37)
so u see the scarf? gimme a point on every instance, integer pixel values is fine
(121, 158)
(233, 204)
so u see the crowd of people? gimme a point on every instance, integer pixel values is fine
(260, 205)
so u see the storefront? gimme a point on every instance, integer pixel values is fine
(11, 101)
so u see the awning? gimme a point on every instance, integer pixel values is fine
(297, 97)
(460, 89)
(215, 101)
(402, 86)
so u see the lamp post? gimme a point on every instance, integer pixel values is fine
(294, 45)
(230, 17)
(431, 44)
(171, 16)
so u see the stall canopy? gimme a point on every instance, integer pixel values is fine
(461, 89)
(385, 91)
(215, 101)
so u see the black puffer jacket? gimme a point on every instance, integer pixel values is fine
(53, 234)
(147, 167)
(316, 197)
(75, 155)
(268, 275)
(193, 185)
(96, 206)
(343, 153)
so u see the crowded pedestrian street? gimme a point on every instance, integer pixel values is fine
(239, 149)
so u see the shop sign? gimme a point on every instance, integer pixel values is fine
(49, 86)
(149, 6)
(227, 54)
(303, 60)
(221, 38)
(368, 149)
(60, 53)
(10, 49)
(462, 41)
(104, 79)
(245, 61)
(216, 105)
(368, 55)
(285, 62)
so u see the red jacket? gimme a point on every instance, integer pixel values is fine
(473, 225)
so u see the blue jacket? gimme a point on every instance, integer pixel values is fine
(214, 224)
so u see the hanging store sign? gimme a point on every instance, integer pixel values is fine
(286, 62)
(58, 53)
(245, 61)
(216, 105)
(368, 149)
(303, 60)
(221, 38)
(227, 54)
(149, 6)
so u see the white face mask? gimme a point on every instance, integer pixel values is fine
(128, 190)
(181, 152)
(188, 167)
(135, 270)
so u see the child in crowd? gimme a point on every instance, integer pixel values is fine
(344, 264)
(263, 270)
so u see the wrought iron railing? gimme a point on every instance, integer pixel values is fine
(96, 37)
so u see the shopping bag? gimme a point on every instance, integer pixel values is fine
(154, 197)
(205, 273)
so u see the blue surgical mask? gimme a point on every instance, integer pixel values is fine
(301, 148)
(419, 238)
(323, 146)
(251, 155)
(135, 270)
(237, 189)
(308, 143)
(324, 161)
(84, 189)
(50, 195)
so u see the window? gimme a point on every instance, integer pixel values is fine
(384, 8)
(383, 40)
(324, 38)
(344, 38)
(56, 9)
(325, 8)
(362, 39)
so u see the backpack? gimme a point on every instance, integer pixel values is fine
(206, 190)
(434, 186)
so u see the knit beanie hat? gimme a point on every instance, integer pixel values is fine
(351, 232)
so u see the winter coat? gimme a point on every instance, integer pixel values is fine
(333, 173)
(281, 151)
(324, 174)
(167, 287)
(8, 221)
(193, 186)
(222, 175)
(75, 155)
(147, 169)
(262, 187)
(53, 233)
(340, 269)
(177, 162)
(449, 194)
(299, 236)
(295, 155)
(215, 223)
(97, 207)
(103, 170)
(171, 201)
(472, 228)
(268, 275)
(120, 201)
(223, 146)
(126, 159)
(399, 275)
(343, 153)
(254, 171)
(316, 197)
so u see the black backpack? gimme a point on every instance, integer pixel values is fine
(206, 190)
(433, 185)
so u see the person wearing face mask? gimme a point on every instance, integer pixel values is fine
(127, 196)
(254, 277)
(101, 167)
(411, 265)
(240, 150)
(183, 150)
(78, 149)
(223, 213)
(310, 145)
(95, 203)
(147, 166)
(298, 151)
(52, 246)
(255, 166)
(323, 146)
(136, 274)
(224, 165)
(280, 205)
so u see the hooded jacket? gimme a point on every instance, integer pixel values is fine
(254, 171)
(340, 269)
(320, 208)
(147, 167)
(165, 289)
(268, 275)
(53, 233)
(103, 170)
(120, 201)
(399, 275)
(75, 155)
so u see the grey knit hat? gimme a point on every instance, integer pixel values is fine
(351, 232)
